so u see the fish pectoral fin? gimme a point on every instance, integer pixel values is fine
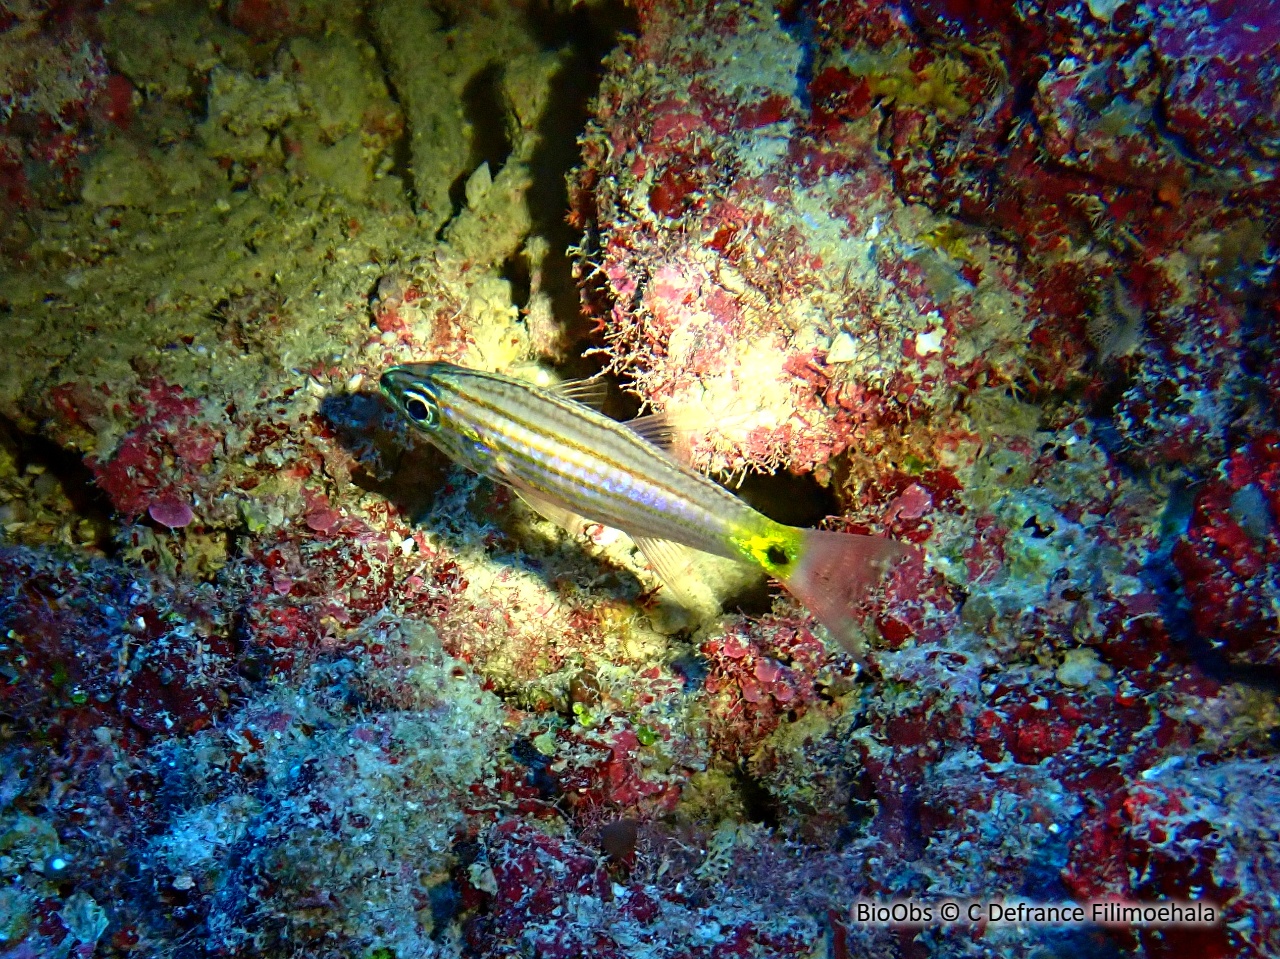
(547, 508)
(591, 392)
(674, 565)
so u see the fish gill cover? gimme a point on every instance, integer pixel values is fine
(994, 279)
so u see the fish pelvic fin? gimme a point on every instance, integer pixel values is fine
(549, 509)
(830, 573)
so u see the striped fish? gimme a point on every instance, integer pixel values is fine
(574, 464)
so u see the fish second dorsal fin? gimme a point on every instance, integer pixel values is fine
(674, 432)
(658, 429)
(591, 392)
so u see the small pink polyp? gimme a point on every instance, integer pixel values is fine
(171, 511)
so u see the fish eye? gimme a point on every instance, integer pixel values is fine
(420, 409)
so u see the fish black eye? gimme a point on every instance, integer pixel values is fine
(777, 555)
(420, 409)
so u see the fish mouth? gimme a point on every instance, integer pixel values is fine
(397, 379)
(392, 381)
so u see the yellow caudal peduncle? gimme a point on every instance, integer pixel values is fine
(774, 546)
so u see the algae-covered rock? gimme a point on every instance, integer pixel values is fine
(528, 92)
(245, 113)
(340, 85)
(411, 38)
(444, 75)
(125, 173)
(345, 804)
(167, 48)
(492, 227)
(348, 120)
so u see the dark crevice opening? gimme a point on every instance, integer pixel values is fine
(484, 110)
(757, 802)
(588, 35)
(515, 270)
(73, 476)
(401, 151)
(788, 498)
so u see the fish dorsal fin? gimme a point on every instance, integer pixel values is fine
(548, 509)
(659, 429)
(591, 392)
(674, 565)
(674, 432)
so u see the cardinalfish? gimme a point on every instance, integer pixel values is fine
(575, 465)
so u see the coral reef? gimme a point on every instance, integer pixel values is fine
(55, 88)
(997, 280)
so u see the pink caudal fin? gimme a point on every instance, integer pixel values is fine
(835, 572)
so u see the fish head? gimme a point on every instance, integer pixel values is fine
(423, 394)
(415, 393)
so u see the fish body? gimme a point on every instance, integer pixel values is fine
(570, 460)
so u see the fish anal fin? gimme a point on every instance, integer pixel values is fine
(676, 567)
(549, 509)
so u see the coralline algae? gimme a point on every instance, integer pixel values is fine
(999, 277)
